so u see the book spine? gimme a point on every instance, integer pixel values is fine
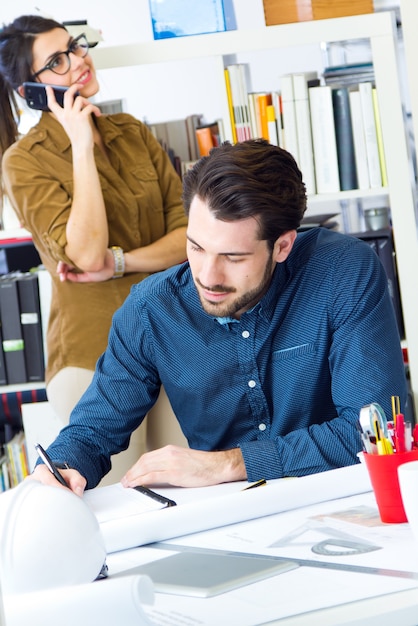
(272, 125)
(237, 108)
(304, 131)
(278, 110)
(230, 104)
(289, 116)
(323, 138)
(344, 138)
(359, 140)
(205, 140)
(192, 122)
(239, 94)
(254, 121)
(379, 136)
(263, 101)
(372, 150)
(243, 74)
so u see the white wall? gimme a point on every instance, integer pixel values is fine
(163, 92)
(156, 93)
(123, 21)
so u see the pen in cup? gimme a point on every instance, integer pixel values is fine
(50, 465)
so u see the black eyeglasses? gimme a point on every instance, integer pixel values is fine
(60, 63)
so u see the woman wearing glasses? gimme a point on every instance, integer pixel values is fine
(97, 192)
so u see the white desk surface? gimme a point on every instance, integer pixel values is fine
(307, 595)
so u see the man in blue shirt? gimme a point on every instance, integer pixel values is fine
(267, 342)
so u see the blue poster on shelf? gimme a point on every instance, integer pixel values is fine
(179, 18)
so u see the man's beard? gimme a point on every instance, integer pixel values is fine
(244, 302)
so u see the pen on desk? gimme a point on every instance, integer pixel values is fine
(258, 483)
(155, 496)
(50, 465)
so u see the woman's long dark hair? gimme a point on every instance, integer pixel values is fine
(16, 67)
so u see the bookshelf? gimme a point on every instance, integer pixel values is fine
(17, 253)
(380, 29)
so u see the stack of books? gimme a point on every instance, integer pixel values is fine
(14, 465)
(186, 140)
(330, 124)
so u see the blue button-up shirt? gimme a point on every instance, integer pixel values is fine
(285, 383)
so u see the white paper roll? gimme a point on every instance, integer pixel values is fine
(106, 602)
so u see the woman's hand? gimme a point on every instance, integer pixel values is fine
(75, 115)
(68, 273)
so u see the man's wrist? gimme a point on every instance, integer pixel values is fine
(234, 465)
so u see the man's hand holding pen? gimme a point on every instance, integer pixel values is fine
(75, 481)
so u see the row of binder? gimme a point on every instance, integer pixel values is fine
(22, 354)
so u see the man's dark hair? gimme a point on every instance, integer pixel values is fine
(250, 179)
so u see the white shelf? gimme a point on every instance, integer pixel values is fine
(21, 387)
(233, 42)
(380, 29)
(352, 194)
(18, 234)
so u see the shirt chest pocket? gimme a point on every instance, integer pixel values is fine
(295, 368)
(294, 352)
(144, 184)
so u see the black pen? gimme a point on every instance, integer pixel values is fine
(50, 465)
(155, 496)
(258, 483)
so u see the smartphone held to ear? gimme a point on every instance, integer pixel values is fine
(36, 98)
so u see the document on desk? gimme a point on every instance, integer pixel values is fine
(112, 502)
(337, 574)
(338, 577)
(200, 509)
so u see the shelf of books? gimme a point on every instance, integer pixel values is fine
(22, 350)
(345, 125)
(14, 466)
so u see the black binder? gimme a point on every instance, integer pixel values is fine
(30, 319)
(3, 373)
(13, 343)
(382, 243)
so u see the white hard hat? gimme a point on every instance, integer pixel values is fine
(48, 538)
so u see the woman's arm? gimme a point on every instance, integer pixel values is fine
(87, 228)
(167, 251)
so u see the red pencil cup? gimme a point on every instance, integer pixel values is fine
(383, 471)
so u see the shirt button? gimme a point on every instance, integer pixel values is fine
(262, 427)
(245, 334)
(252, 383)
